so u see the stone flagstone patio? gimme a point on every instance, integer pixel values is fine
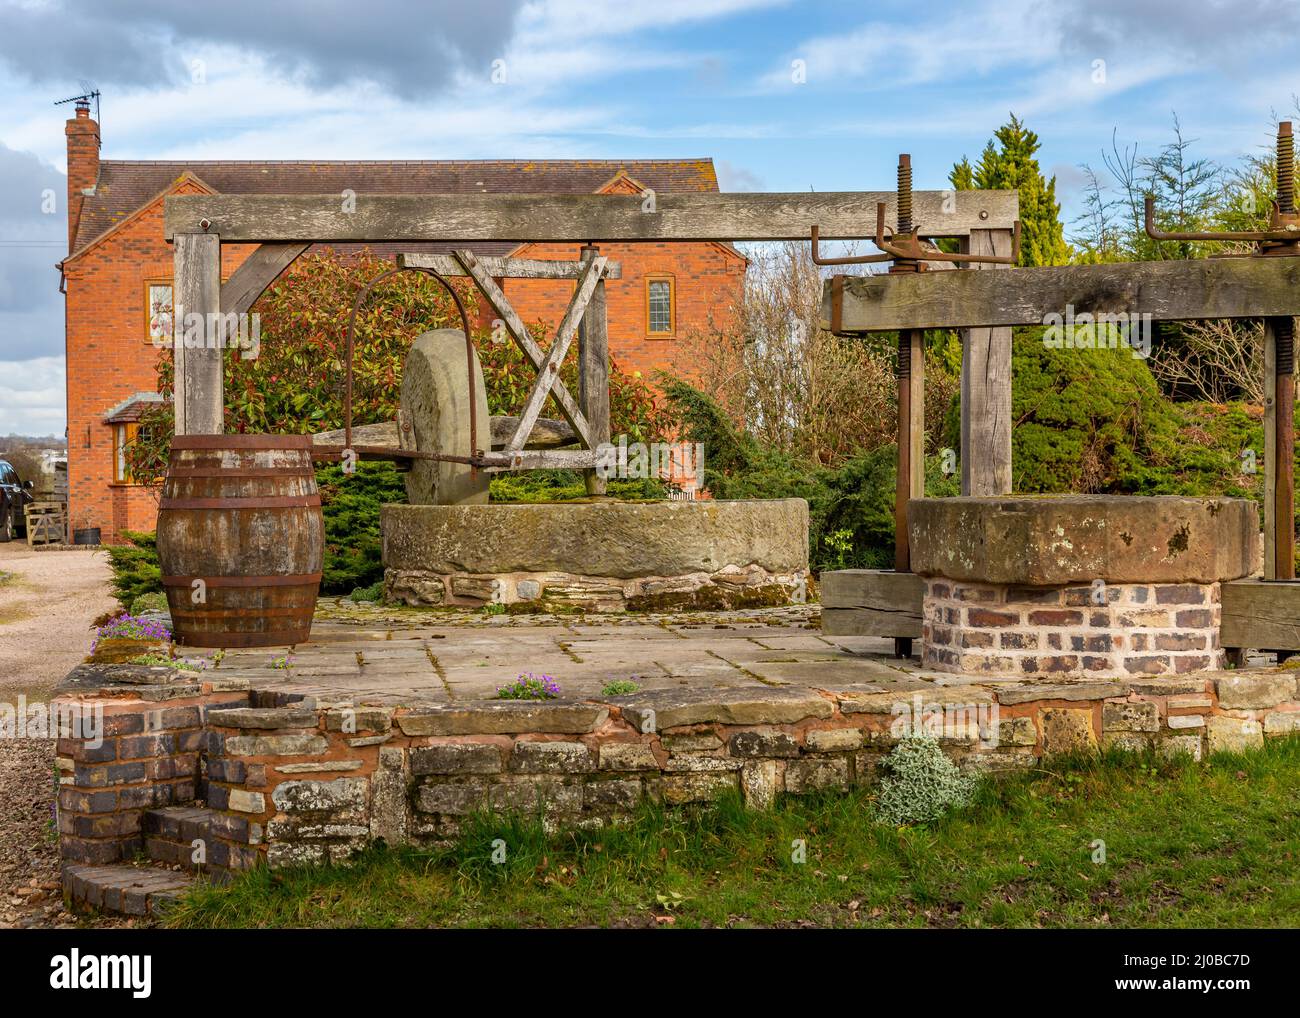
(368, 652)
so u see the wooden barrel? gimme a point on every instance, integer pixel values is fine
(241, 540)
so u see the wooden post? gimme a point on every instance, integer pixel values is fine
(916, 426)
(910, 477)
(197, 351)
(1270, 451)
(593, 371)
(986, 390)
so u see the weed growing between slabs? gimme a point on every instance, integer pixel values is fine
(1124, 841)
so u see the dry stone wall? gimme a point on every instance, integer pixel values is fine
(254, 778)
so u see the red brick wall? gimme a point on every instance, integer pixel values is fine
(706, 280)
(110, 356)
(83, 163)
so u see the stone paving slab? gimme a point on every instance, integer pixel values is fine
(440, 656)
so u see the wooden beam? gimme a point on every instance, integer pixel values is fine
(496, 298)
(872, 602)
(541, 459)
(258, 271)
(548, 372)
(593, 372)
(1261, 615)
(986, 389)
(197, 348)
(505, 268)
(579, 218)
(548, 433)
(1167, 291)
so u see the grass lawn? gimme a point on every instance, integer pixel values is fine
(1186, 845)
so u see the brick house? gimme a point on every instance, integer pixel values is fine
(118, 273)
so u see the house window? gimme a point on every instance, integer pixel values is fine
(660, 314)
(123, 435)
(158, 313)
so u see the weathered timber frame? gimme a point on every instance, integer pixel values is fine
(1165, 291)
(286, 225)
(1255, 614)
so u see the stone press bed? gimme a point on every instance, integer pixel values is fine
(207, 773)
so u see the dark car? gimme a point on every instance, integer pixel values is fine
(15, 495)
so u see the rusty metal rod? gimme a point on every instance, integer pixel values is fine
(903, 485)
(1284, 472)
(904, 193)
(1285, 169)
(469, 364)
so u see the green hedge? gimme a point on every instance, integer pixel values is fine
(350, 506)
(850, 508)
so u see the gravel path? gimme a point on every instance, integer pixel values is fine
(45, 614)
(46, 609)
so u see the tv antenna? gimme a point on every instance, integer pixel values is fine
(83, 101)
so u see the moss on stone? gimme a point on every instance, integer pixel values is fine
(713, 597)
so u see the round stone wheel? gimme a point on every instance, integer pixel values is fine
(437, 394)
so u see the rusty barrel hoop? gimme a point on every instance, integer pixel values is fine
(242, 515)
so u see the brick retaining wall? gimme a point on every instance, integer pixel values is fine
(288, 781)
(1102, 630)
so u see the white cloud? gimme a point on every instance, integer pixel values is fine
(880, 55)
(555, 20)
(32, 397)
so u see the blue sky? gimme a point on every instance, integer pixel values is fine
(582, 78)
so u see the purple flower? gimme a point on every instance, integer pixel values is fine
(529, 687)
(130, 627)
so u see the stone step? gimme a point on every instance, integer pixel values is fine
(130, 889)
(171, 831)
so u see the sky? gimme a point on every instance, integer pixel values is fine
(783, 96)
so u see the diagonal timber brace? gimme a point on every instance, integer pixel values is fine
(496, 297)
(548, 373)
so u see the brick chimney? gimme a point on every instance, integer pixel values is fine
(83, 162)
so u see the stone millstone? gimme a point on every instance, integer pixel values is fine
(1062, 539)
(436, 392)
(606, 539)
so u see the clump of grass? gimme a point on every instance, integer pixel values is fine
(529, 687)
(494, 608)
(185, 664)
(372, 593)
(153, 602)
(620, 687)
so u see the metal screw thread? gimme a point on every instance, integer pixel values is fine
(1285, 169)
(1284, 332)
(905, 355)
(904, 194)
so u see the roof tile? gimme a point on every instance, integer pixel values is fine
(124, 186)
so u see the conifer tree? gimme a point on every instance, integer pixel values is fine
(1008, 163)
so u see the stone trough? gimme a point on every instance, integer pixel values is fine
(604, 555)
(1079, 585)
